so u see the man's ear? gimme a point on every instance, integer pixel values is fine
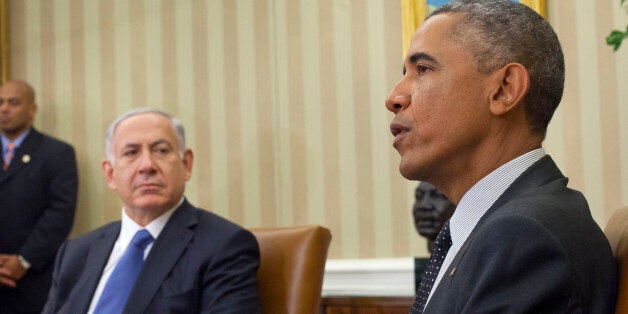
(32, 110)
(188, 161)
(511, 84)
(107, 171)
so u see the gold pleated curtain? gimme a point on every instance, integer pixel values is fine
(4, 42)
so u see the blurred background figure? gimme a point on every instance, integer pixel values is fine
(431, 210)
(38, 192)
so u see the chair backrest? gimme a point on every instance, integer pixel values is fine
(617, 233)
(292, 267)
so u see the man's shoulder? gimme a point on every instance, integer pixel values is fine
(208, 219)
(109, 229)
(210, 234)
(210, 224)
(541, 191)
(49, 140)
(552, 200)
(557, 214)
(47, 147)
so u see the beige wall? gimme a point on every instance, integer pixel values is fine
(588, 135)
(283, 104)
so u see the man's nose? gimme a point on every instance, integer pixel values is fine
(398, 98)
(425, 201)
(147, 163)
(426, 198)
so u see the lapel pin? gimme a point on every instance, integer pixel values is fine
(453, 271)
(26, 159)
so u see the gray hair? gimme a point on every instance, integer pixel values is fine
(498, 32)
(177, 127)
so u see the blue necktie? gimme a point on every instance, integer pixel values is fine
(120, 283)
(441, 246)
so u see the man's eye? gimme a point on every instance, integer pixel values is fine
(162, 150)
(129, 153)
(422, 69)
(14, 101)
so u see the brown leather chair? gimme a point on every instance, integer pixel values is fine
(292, 268)
(617, 233)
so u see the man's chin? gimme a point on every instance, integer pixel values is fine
(151, 203)
(408, 171)
(415, 169)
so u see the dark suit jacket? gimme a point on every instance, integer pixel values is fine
(536, 250)
(37, 204)
(199, 263)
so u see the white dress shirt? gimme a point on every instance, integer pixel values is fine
(128, 229)
(479, 199)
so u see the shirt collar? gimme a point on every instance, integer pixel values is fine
(129, 227)
(18, 141)
(479, 199)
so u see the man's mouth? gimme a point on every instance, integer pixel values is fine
(397, 129)
(148, 186)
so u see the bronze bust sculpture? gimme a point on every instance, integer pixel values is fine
(431, 210)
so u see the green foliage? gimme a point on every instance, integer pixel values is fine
(616, 37)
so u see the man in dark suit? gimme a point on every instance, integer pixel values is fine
(38, 189)
(481, 81)
(198, 262)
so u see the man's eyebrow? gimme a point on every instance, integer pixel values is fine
(417, 56)
(131, 145)
(153, 144)
(159, 141)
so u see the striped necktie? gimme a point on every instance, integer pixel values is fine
(8, 155)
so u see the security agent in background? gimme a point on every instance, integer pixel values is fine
(38, 190)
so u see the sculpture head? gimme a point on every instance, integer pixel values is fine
(431, 210)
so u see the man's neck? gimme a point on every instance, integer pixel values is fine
(489, 157)
(12, 136)
(144, 216)
(17, 138)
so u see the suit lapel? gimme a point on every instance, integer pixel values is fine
(166, 251)
(97, 258)
(23, 155)
(540, 173)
